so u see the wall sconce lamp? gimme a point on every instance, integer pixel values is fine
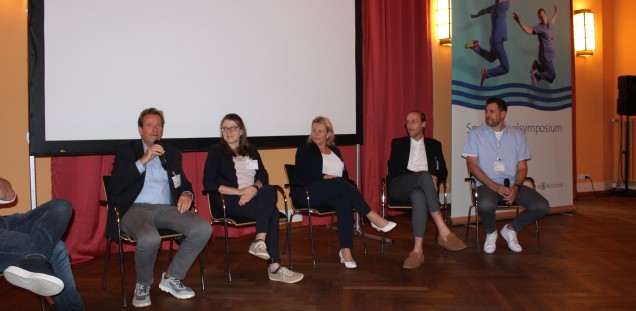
(444, 21)
(584, 37)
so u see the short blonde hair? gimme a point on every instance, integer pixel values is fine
(331, 136)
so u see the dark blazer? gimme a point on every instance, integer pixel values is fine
(219, 169)
(400, 150)
(309, 164)
(126, 182)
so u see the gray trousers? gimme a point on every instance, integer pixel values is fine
(419, 189)
(141, 222)
(534, 204)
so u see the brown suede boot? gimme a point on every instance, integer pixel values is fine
(413, 261)
(452, 242)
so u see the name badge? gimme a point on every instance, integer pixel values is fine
(251, 164)
(176, 180)
(499, 166)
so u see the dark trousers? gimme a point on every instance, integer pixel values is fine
(535, 205)
(339, 194)
(261, 208)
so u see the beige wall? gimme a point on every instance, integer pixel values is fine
(595, 94)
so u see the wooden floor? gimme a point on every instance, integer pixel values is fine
(587, 262)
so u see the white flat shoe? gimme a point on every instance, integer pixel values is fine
(386, 228)
(347, 264)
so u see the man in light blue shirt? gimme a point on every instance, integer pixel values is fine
(495, 152)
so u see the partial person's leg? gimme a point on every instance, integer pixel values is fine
(69, 298)
(45, 225)
(268, 215)
(504, 66)
(535, 207)
(487, 207)
(139, 223)
(197, 232)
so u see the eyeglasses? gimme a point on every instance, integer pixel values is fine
(230, 129)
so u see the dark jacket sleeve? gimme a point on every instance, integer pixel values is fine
(435, 158)
(174, 159)
(261, 173)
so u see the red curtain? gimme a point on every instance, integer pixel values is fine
(397, 78)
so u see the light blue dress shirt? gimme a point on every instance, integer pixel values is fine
(483, 144)
(156, 188)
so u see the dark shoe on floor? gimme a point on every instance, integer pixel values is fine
(413, 261)
(452, 242)
(142, 296)
(36, 275)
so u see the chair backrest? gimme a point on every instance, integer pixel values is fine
(294, 187)
(112, 231)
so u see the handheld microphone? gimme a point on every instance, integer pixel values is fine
(507, 185)
(164, 164)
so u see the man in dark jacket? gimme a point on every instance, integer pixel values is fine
(415, 167)
(150, 188)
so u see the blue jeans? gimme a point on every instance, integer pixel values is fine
(38, 232)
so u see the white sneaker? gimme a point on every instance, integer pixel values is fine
(491, 243)
(510, 236)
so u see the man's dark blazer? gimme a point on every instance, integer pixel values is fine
(126, 182)
(400, 150)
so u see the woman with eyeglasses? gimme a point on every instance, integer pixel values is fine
(319, 167)
(234, 168)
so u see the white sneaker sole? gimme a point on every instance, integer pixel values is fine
(173, 293)
(259, 255)
(39, 283)
(141, 304)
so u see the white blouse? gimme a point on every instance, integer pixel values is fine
(332, 165)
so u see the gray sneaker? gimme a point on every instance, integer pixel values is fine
(285, 275)
(175, 287)
(142, 296)
(259, 249)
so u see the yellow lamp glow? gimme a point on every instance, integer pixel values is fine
(584, 37)
(444, 19)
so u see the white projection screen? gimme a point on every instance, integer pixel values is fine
(94, 65)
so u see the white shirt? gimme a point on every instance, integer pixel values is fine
(417, 157)
(332, 165)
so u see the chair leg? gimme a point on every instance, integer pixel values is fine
(383, 240)
(364, 240)
(121, 271)
(470, 209)
(227, 252)
(311, 235)
(330, 230)
(106, 259)
(288, 242)
(538, 241)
